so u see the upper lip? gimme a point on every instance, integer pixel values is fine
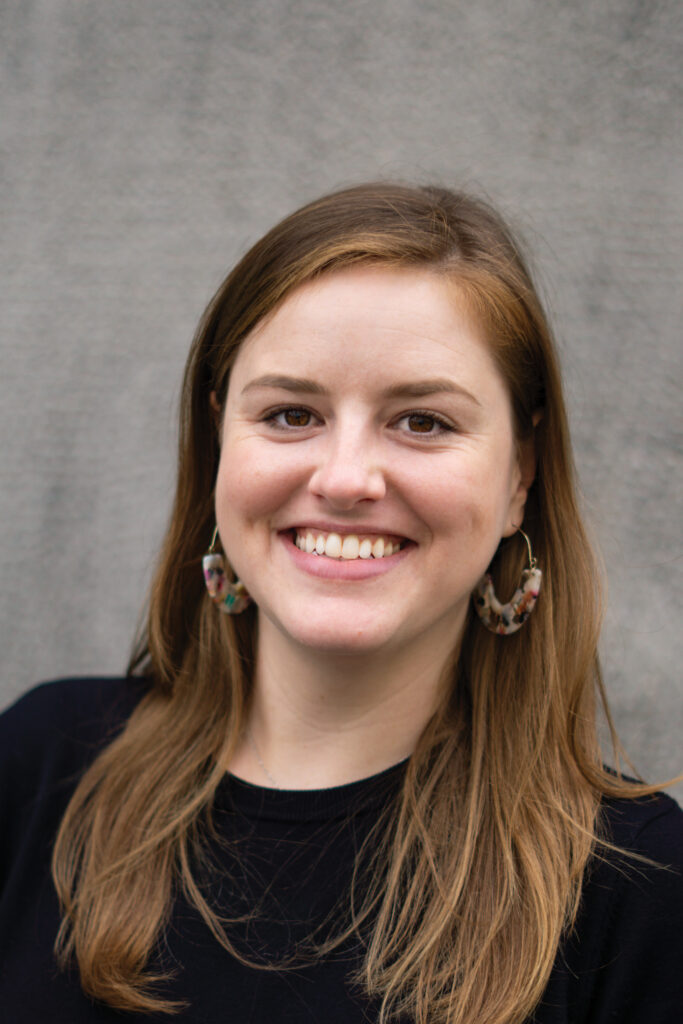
(360, 529)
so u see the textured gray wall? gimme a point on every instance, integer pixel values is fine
(146, 143)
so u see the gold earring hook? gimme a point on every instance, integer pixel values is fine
(532, 560)
(213, 539)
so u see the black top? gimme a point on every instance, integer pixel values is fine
(623, 965)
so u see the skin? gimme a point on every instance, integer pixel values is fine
(351, 655)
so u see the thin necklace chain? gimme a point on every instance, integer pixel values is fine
(262, 766)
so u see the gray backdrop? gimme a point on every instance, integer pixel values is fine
(147, 143)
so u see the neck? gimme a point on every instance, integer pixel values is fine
(321, 719)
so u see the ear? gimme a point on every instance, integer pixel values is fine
(217, 412)
(524, 477)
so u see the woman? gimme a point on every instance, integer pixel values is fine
(373, 790)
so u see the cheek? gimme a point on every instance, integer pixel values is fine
(467, 495)
(469, 506)
(250, 487)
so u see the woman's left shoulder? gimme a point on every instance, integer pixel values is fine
(626, 953)
(622, 959)
(648, 826)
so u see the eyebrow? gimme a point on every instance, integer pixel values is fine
(435, 386)
(274, 380)
(411, 389)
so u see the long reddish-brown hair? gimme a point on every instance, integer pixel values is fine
(484, 852)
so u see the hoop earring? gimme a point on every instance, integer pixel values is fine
(231, 598)
(505, 619)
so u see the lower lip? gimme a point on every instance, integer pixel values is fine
(340, 568)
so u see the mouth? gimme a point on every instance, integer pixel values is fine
(347, 547)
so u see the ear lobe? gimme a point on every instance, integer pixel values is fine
(516, 509)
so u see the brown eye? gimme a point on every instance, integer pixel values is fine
(420, 424)
(297, 417)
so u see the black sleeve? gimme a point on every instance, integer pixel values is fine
(639, 940)
(47, 739)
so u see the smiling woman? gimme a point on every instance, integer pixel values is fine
(433, 486)
(353, 797)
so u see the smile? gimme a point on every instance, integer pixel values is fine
(349, 547)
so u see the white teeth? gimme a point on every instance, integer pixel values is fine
(333, 545)
(365, 549)
(349, 547)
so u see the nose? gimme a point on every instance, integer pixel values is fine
(348, 472)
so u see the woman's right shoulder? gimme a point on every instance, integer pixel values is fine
(58, 727)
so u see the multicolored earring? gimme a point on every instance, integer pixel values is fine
(229, 597)
(505, 619)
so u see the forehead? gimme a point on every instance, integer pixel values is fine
(382, 321)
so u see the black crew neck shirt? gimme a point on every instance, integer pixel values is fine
(282, 862)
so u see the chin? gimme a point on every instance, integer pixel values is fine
(337, 634)
(344, 645)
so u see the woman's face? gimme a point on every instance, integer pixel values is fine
(368, 465)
